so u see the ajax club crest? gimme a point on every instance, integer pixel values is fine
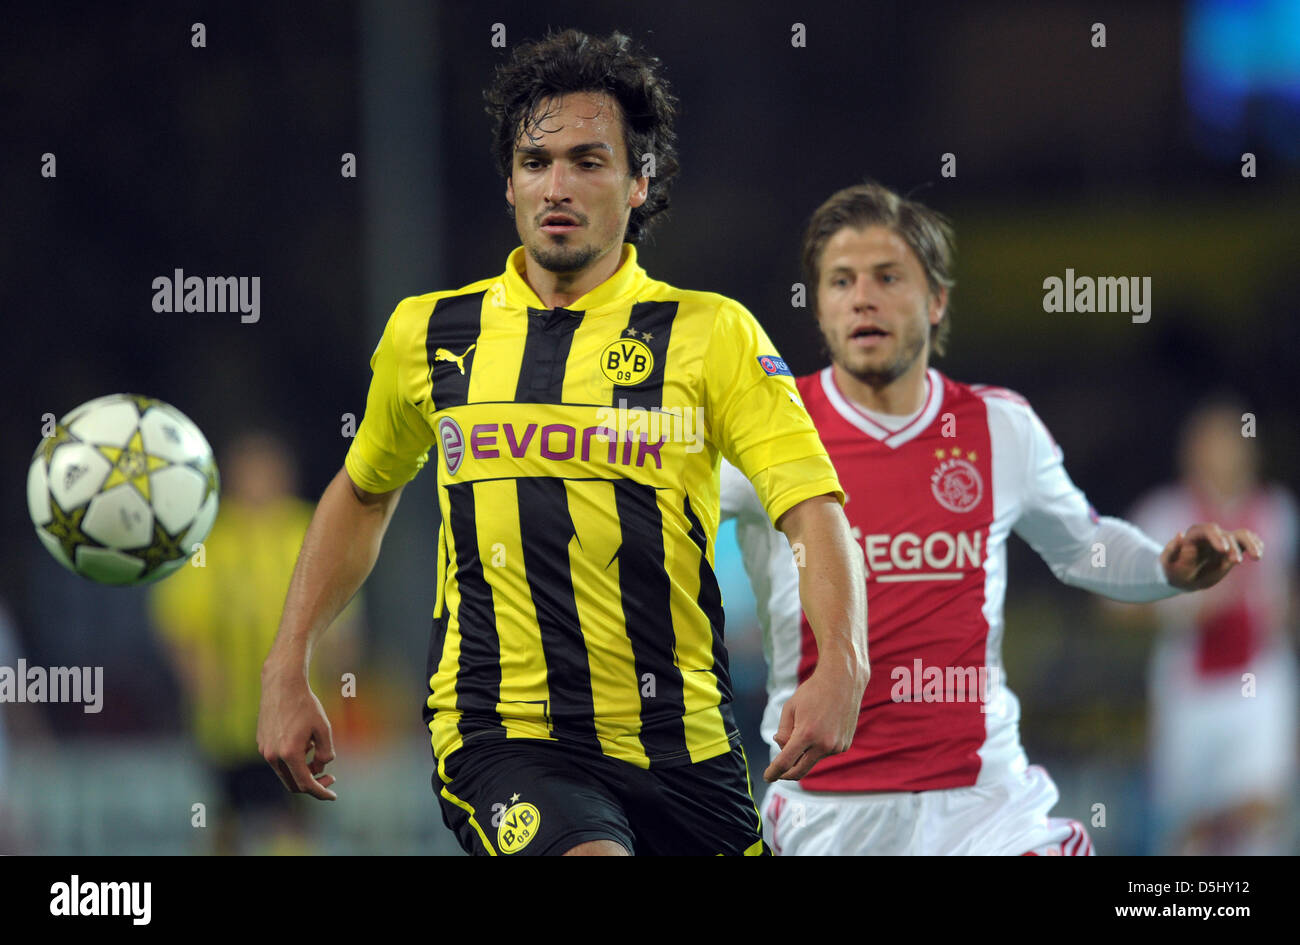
(956, 482)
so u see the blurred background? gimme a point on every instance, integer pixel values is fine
(226, 159)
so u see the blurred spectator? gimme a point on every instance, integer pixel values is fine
(218, 618)
(8, 657)
(1223, 682)
(19, 723)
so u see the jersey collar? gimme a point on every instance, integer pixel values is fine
(854, 414)
(612, 294)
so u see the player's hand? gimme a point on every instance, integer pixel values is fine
(290, 724)
(1200, 557)
(819, 719)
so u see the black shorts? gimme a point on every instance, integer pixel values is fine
(538, 798)
(252, 787)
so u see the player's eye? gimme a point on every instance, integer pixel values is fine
(531, 164)
(840, 282)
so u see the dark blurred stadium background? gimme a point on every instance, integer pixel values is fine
(1123, 160)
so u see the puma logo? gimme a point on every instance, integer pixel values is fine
(442, 354)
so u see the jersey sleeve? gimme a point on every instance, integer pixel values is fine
(739, 500)
(756, 418)
(393, 440)
(1103, 555)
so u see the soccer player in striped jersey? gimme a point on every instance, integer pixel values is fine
(579, 696)
(937, 475)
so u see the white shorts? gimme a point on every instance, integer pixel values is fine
(1004, 819)
(1217, 743)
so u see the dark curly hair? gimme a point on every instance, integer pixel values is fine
(572, 61)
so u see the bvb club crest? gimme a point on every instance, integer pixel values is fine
(519, 825)
(627, 361)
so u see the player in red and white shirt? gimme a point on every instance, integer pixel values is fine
(938, 475)
(1223, 684)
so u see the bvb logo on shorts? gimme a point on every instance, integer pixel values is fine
(519, 825)
(627, 361)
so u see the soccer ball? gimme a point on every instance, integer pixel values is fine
(123, 490)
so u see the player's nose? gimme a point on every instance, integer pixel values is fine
(864, 296)
(557, 183)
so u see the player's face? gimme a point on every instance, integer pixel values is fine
(260, 471)
(1215, 453)
(874, 306)
(569, 185)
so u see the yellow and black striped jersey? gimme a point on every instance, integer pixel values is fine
(578, 453)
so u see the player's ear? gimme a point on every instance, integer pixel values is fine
(640, 191)
(938, 304)
(510, 191)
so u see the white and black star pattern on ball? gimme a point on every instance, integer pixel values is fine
(123, 489)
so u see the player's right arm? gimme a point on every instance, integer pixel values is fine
(338, 552)
(340, 548)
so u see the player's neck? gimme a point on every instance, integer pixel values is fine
(903, 395)
(1224, 495)
(562, 289)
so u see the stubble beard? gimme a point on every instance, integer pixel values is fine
(563, 259)
(878, 377)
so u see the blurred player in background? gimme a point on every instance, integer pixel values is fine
(218, 621)
(579, 695)
(1223, 675)
(938, 474)
(9, 827)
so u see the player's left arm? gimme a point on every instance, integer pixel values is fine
(821, 716)
(1106, 555)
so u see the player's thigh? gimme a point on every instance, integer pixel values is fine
(794, 826)
(1064, 837)
(1008, 817)
(525, 796)
(701, 809)
(805, 823)
(1217, 744)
